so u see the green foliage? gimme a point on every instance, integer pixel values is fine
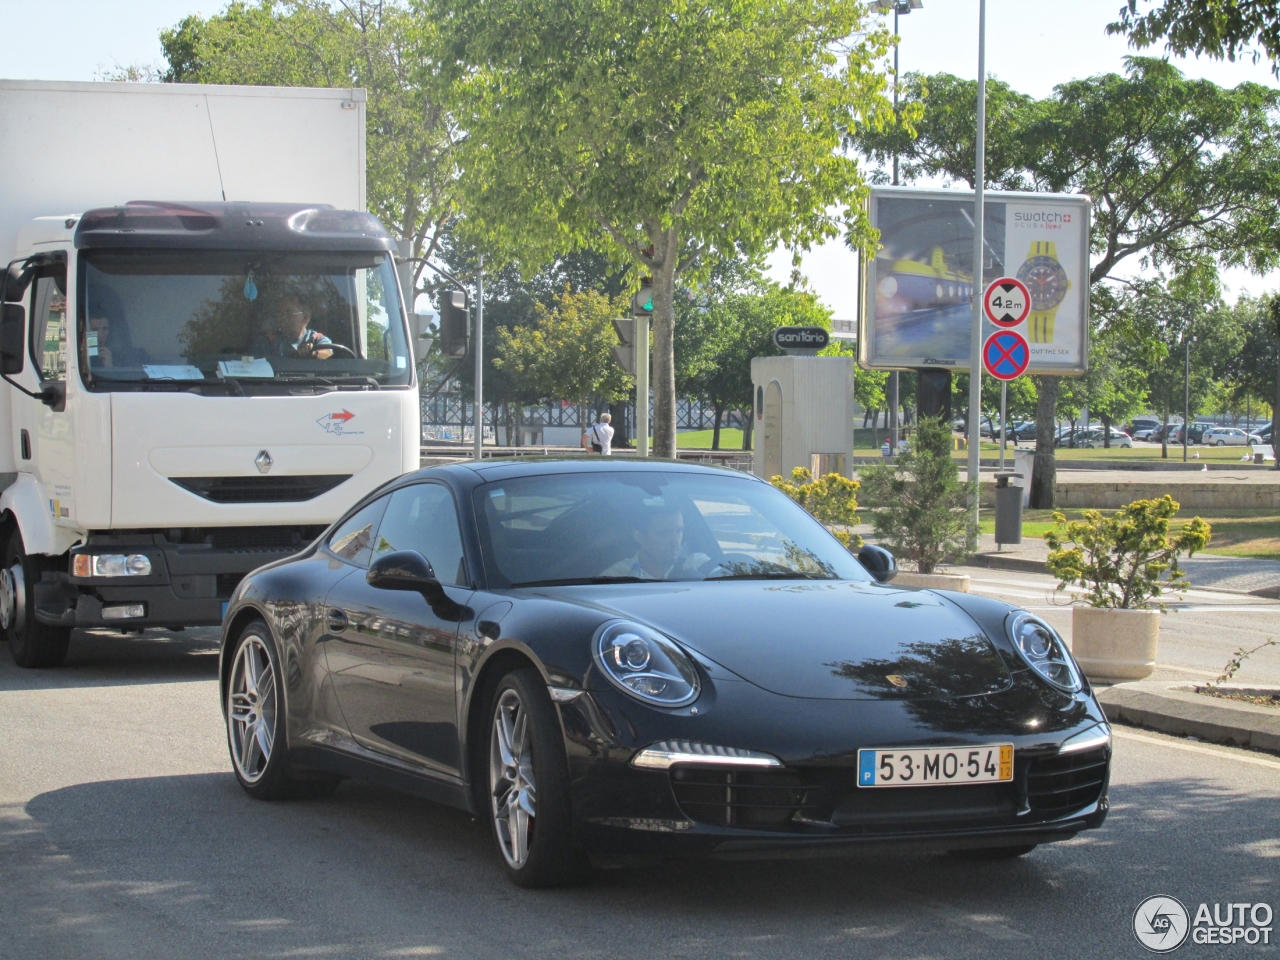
(667, 135)
(1238, 658)
(831, 499)
(410, 139)
(1125, 560)
(919, 509)
(1217, 28)
(567, 353)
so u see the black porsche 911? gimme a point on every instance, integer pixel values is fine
(614, 661)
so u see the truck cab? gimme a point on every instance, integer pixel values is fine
(195, 389)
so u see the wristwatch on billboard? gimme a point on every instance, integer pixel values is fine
(1048, 285)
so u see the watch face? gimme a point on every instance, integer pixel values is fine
(1046, 281)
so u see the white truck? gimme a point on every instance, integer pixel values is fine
(204, 347)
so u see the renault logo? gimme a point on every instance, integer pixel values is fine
(263, 461)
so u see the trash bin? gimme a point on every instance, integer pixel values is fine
(1008, 509)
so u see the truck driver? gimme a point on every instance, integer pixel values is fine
(293, 336)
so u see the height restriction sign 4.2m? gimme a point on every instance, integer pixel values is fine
(1006, 355)
(1006, 302)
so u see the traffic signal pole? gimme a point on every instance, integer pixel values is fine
(479, 414)
(975, 340)
(642, 383)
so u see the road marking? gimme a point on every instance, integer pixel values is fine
(1196, 748)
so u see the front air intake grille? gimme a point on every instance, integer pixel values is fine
(1059, 785)
(261, 489)
(761, 799)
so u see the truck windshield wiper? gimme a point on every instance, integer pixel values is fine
(338, 382)
(574, 581)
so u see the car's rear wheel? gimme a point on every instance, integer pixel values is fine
(1221, 443)
(529, 785)
(32, 643)
(256, 724)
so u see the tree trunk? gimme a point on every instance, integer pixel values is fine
(718, 407)
(667, 250)
(1275, 408)
(1164, 432)
(748, 428)
(1043, 474)
(1071, 442)
(1106, 431)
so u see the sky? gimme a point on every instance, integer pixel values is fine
(1031, 44)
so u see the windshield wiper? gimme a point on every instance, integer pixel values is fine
(573, 581)
(339, 382)
(773, 575)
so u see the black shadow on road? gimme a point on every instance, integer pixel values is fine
(101, 658)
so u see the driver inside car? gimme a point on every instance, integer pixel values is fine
(659, 536)
(293, 336)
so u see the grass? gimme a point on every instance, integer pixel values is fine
(730, 439)
(1236, 533)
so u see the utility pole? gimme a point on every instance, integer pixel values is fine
(975, 339)
(1186, 395)
(479, 415)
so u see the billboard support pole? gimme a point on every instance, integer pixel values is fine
(1004, 422)
(975, 341)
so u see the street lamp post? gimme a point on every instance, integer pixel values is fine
(975, 340)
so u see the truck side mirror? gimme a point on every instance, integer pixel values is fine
(420, 332)
(13, 330)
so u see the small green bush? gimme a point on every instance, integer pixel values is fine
(1128, 559)
(831, 499)
(920, 509)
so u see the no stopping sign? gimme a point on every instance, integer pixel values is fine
(1006, 355)
(1006, 302)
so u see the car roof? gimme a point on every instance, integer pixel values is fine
(486, 471)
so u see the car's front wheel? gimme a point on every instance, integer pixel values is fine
(529, 784)
(1222, 443)
(256, 724)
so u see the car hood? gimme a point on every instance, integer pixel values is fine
(825, 640)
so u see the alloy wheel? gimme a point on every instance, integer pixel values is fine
(513, 789)
(251, 709)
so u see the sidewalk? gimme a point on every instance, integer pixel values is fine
(1205, 571)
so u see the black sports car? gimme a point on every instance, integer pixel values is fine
(614, 661)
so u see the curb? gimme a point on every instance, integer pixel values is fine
(1176, 708)
(994, 561)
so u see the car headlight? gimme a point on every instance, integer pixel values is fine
(645, 664)
(1043, 650)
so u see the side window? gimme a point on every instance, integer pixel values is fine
(423, 518)
(49, 324)
(353, 541)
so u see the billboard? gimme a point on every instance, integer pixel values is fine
(916, 303)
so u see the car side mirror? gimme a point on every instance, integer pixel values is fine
(878, 562)
(13, 328)
(405, 570)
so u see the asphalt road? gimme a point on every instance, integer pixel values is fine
(123, 834)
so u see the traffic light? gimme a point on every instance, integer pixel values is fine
(625, 353)
(642, 301)
(455, 323)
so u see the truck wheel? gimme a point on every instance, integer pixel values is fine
(32, 643)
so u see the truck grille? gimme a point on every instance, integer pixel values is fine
(1059, 785)
(261, 489)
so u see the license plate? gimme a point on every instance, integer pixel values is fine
(933, 767)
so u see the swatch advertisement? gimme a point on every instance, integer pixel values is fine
(916, 307)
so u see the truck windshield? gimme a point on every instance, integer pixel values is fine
(183, 317)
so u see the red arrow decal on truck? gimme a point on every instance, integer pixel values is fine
(344, 416)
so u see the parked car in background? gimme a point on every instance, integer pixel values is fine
(1141, 425)
(1094, 438)
(1196, 433)
(1226, 437)
(1025, 431)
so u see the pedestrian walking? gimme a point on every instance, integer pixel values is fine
(600, 436)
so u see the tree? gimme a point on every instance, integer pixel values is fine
(721, 328)
(410, 139)
(668, 136)
(1212, 28)
(919, 507)
(568, 353)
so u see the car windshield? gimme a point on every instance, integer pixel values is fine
(178, 319)
(591, 527)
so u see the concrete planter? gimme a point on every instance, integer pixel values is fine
(1112, 644)
(934, 581)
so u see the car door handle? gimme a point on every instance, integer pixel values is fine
(337, 621)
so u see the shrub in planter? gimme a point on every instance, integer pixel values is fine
(920, 507)
(1125, 562)
(831, 499)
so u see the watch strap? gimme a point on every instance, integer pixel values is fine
(1043, 248)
